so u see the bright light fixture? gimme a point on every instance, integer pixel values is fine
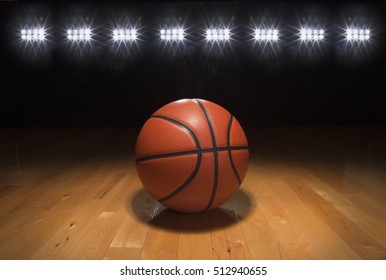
(175, 34)
(354, 34)
(218, 34)
(266, 34)
(36, 34)
(307, 34)
(82, 34)
(124, 34)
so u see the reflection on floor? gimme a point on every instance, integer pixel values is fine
(310, 193)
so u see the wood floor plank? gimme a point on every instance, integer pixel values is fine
(373, 206)
(261, 240)
(229, 244)
(160, 244)
(96, 241)
(195, 241)
(329, 244)
(299, 220)
(227, 236)
(360, 242)
(15, 200)
(162, 238)
(292, 238)
(259, 237)
(369, 201)
(296, 243)
(131, 234)
(50, 194)
(136, 204)
(26, 243)
(374, 225)
(74, 193)
(120, 253)
(44, 221)
(195, 246)
(61, 244)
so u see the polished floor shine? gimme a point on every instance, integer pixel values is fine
(310, 193)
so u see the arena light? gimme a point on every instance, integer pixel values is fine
(214, 34)
(36, 34)
(355, 34)
(120, 35)
(175, 34)
(266, 34)
(311, 35)
(81, 34)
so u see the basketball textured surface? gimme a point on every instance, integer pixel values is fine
(192, 155)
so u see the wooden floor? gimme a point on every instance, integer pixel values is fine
(310, 193)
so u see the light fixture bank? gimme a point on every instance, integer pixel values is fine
(210, 35)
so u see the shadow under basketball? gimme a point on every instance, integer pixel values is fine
(150, 211)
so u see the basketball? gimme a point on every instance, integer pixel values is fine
(192, 155)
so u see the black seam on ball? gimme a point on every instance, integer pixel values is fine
(187, 182)
(191, 152)
(198, 162)
(230, 152)
(180, 124)
(215, 153)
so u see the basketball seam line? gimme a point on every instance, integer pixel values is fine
(197, 143)
(215, 154)
(230, 152)
(198, 163)
(191, 152)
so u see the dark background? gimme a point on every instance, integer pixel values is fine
(101, 85)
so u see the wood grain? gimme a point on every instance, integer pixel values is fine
(310, 193)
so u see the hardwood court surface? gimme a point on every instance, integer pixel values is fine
(310, 193)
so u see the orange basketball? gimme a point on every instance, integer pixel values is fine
(192, 155)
